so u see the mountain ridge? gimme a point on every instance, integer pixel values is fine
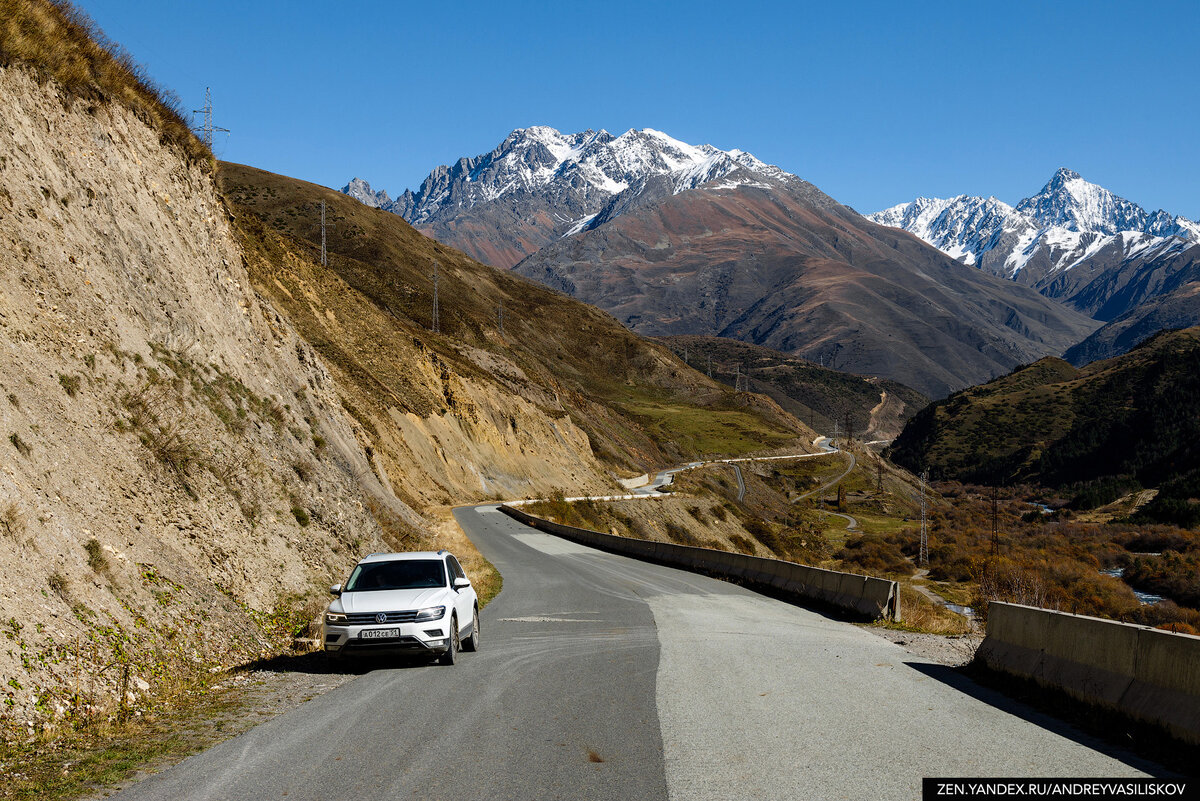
(540, 184)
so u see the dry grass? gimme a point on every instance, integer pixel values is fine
(12, 520)
(483, 574)
(59, 42)
(921, 614)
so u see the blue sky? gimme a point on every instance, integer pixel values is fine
(874, 102)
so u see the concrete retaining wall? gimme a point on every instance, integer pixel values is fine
(864, 595)
(1149, 674)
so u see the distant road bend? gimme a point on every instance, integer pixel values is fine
(601, 677)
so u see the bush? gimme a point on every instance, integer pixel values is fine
(874, 555)
(97, 561)
(301, 516)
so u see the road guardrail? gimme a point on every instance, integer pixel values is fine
(865, 596)
(1148, 674)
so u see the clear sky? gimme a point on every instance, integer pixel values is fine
(874, 102)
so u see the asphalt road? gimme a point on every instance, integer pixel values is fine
(601, 677)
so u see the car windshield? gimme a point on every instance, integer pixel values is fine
(409, 574)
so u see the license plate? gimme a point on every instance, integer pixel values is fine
(378, 634)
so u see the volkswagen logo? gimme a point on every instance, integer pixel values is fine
(381, 617)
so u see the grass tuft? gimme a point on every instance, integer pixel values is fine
(59, 42)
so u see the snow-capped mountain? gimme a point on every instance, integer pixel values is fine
(1065, 225)
(540, 184)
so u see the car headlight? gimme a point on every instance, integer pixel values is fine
(431, 613)
(335, 618)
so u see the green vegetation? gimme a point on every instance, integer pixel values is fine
(1095, 433)
(58, 42)
(705, 431)
(70, 384)
(815, 395)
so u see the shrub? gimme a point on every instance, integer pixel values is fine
(301, 516)
(97, 561)
(19, 444)
(70, 384)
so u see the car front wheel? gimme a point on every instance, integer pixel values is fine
(451, 654)
(472, 642)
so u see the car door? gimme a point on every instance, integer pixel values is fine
(464, 599)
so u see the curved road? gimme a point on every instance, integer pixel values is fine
(602, 677)
(853, 461)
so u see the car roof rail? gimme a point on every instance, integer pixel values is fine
(443, 551)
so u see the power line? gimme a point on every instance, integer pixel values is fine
(206, 130)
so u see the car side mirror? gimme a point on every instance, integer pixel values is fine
(461, 583)
(336, 589)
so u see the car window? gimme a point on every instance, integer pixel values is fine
(408, 574)
(455, 567)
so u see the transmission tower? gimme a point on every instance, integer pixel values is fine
(500, 317)
(923, 553)
(206, 130)
(685, 354)
(437, 327)
(710, 366)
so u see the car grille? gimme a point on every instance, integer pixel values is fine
(371, 618)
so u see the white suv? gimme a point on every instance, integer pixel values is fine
(418, 602)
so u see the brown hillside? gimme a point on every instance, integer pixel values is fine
(769, 266)
(372, 308)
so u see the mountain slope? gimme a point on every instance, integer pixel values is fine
(1114, 425)
(784, 266)
(1073, 241)
(873, 408)
(538, 185)
(179, 470)
(609, 392)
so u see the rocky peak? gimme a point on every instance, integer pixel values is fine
(1069, 201)
(361, 191)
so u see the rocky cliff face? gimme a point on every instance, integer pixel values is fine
(178, 461)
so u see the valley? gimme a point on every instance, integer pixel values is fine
(221, 386)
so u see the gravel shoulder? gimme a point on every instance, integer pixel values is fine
(98, 764)
(949, 650)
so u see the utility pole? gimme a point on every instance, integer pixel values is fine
(436, 323)
(206, 130)
(923, 552)
(995, 520)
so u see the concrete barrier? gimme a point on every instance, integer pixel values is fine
(1148, 674)
(867, 596)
